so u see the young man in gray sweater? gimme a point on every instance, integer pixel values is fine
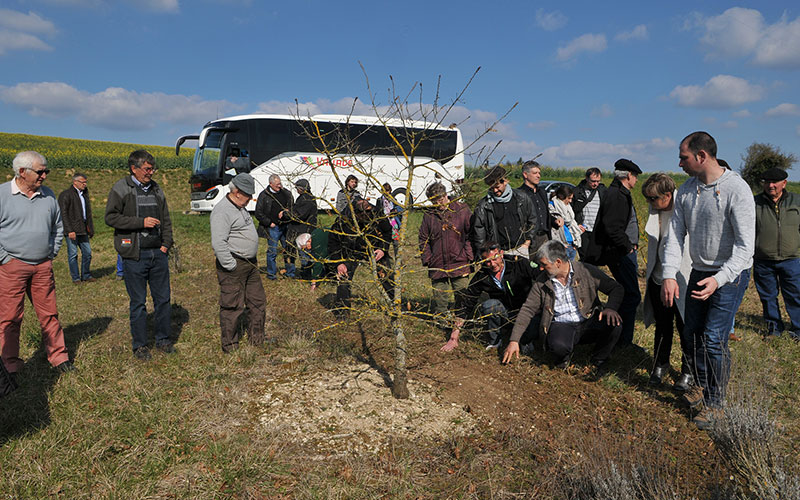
(715, 207)
(235, 242)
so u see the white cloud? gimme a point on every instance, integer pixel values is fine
(584, 43)
(114, 108)
(784, 109)
(151, 5)
(637, 33)
(742, 113)
(730, 124)
(721, 91)
(20, 31)
(550, 21)
(25, 23)
(584, 153)
(603, 111)
(740, 32)
(157, 5)
(541, 125)
(12, 40)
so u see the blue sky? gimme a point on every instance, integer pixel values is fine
(593, 82)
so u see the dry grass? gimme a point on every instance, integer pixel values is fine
(186, 426)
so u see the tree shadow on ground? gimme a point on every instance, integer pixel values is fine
(366, 357)
(27, 409)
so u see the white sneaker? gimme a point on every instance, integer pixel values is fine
(494, 346)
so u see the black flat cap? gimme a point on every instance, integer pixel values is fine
(494, 175)
(774, 174)
(627, 165)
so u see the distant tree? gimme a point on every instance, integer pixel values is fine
(761, 157)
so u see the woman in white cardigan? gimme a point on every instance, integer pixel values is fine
(569, 232)
(659, 191)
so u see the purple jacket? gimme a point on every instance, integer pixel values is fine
(444, 241)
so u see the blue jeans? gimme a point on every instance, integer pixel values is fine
(82, 242)
(120, 273)
(626, 272)
(277, 235)
(707, 326)
(152, 267)
(498, 320)
(772, 276)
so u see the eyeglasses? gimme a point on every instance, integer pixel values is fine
(148, 169)
(41, 172)
(652, 199)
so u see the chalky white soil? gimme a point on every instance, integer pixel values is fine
(349, 409)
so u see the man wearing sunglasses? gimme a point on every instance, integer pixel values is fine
(31, 234)
(137, 210)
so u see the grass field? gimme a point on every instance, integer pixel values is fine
(190, 425)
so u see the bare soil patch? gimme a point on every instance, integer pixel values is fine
(348, 408)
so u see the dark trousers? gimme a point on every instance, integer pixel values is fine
(626, 272)
(238, 289)
(344, 289)
(772, 277)
(667, 320)
(499, 323)
(153, 268)
(563, 337)
(708, 324)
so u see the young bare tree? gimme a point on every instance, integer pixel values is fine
(362, 234)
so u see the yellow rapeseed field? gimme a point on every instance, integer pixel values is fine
(87, 155)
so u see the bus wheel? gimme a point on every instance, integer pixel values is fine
(399, 194)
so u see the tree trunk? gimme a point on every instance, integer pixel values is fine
(400, 382)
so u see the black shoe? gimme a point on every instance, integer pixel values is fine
(658, 374)
(142, 353)
(65, 367)
(683, 383)
(166, 347)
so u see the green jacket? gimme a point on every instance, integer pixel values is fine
(777, 227)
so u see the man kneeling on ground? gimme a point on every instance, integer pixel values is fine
(571, 312)
(506, 282)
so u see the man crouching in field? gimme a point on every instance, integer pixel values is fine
(235, 243)
(137, 210)
(571, 312)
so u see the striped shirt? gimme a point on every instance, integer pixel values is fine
(565, 308)
(590, 211)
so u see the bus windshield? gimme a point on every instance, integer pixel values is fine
(206, 161)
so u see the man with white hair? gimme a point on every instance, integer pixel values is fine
(616, 240)
(31, 234)
(235, 243)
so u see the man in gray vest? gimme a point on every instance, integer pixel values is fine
(137, 210)
(235, 243)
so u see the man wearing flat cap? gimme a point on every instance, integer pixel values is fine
(235, 243)
(505, 216)
(616, 239)
(776, 263)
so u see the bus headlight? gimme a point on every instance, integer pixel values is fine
(212, 194)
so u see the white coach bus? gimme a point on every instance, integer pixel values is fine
(362, 146)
